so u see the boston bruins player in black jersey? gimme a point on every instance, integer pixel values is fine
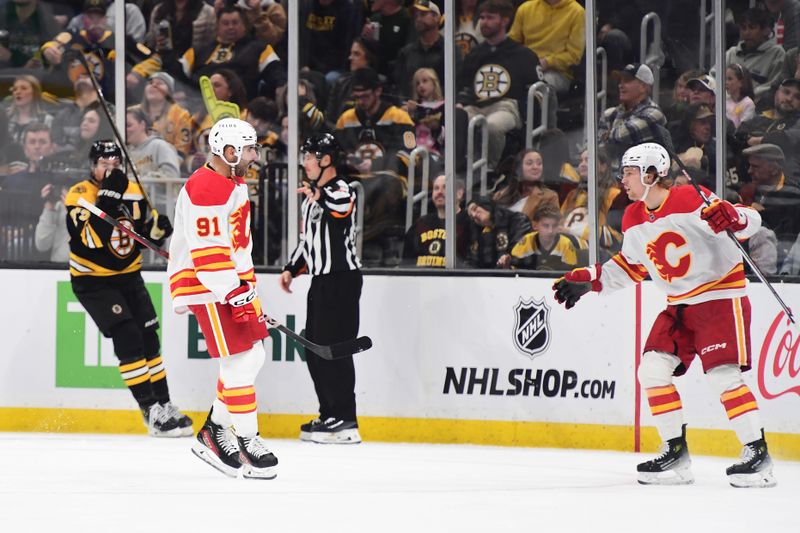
(105, 272)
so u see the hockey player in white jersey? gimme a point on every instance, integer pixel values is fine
(672, 236)
(211, 274)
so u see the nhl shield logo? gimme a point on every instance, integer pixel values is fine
(532, 327)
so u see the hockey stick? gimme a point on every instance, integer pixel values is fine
(744, 253)
(331, 352)
(122, 227)
(107, 112)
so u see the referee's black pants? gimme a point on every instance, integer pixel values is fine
(333, 316)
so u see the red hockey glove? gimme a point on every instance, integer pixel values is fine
(722, 215)
(245, 303)
(574, 284)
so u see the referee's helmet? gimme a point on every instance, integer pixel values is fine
(321, 145)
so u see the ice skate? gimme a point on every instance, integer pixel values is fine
(216, 446)
(336, 431)
(257, 461)
(183, 421)
(308, 428)
(754, 470)
(671, 467)
(159, 423)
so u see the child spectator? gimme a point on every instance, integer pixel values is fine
(739, 105)
(547, 248)
(427, 109)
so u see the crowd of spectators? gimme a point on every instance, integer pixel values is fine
(372, 73)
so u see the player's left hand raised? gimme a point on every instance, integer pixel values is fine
(722, 216)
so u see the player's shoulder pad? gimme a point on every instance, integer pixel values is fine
(634, 215)
(133, 192)
(206, 188)
(685, 199)
(84, 189)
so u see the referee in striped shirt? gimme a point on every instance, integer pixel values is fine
(327, 251)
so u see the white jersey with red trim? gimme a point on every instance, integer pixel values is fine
(679, 251)
(210, 250)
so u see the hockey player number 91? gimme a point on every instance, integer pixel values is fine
(204, 227)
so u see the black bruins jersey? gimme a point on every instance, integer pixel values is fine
(377, 137)
(568, 252)
(425, 240)
(96, 248)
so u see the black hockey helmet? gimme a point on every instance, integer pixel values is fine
(323, 144)
(106, 149)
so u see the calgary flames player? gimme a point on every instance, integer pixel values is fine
(105, 270)
(670, 235)
(211, 274)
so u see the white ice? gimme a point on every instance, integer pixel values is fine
(107, 483)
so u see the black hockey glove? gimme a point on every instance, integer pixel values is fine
(109, 197)
(158, 229)
(574, 284)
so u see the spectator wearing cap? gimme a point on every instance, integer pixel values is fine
(554, 30)
(702, 90)
(29, 24)
(637, 118)
(496, 76)
(755, 51)
(152, 156)
(776, 120)
(694, 140)
(325, 25)
(168, 118)
(494, 232)
(427, 51)
(774, 194)
(373, 131)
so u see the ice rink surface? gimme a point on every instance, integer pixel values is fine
(110, 483)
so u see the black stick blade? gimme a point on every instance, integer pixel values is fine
(347, 348)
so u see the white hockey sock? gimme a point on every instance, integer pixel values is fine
(738, 400)
(655, 377)
(238, 374)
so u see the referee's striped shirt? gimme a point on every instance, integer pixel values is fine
(329, 232)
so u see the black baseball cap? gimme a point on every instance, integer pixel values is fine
(365, 79)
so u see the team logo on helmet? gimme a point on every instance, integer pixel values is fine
(532, 327)
(240, 227)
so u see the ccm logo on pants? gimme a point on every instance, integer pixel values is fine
(713, 347)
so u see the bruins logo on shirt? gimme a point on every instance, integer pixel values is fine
(491, 81)
(466, 42)
(370, 150)
(120, 244)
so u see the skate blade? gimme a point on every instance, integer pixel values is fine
(670, 477)
(205, 455)
(251, 472)
(305, 436)
(758, 480)
(346, 436)
(171, 434)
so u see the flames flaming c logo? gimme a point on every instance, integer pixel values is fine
(657, 252)
(240, 227)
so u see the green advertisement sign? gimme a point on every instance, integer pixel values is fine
(84, 358)
(283, 349)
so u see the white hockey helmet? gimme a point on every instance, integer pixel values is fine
(645, 156)
(231, 132)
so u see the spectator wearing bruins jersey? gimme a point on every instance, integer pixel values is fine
(496, 76)
(546, 248)
(255, 61)
(105, 272)
(425, 239)
(95, 41)
(374, 132)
